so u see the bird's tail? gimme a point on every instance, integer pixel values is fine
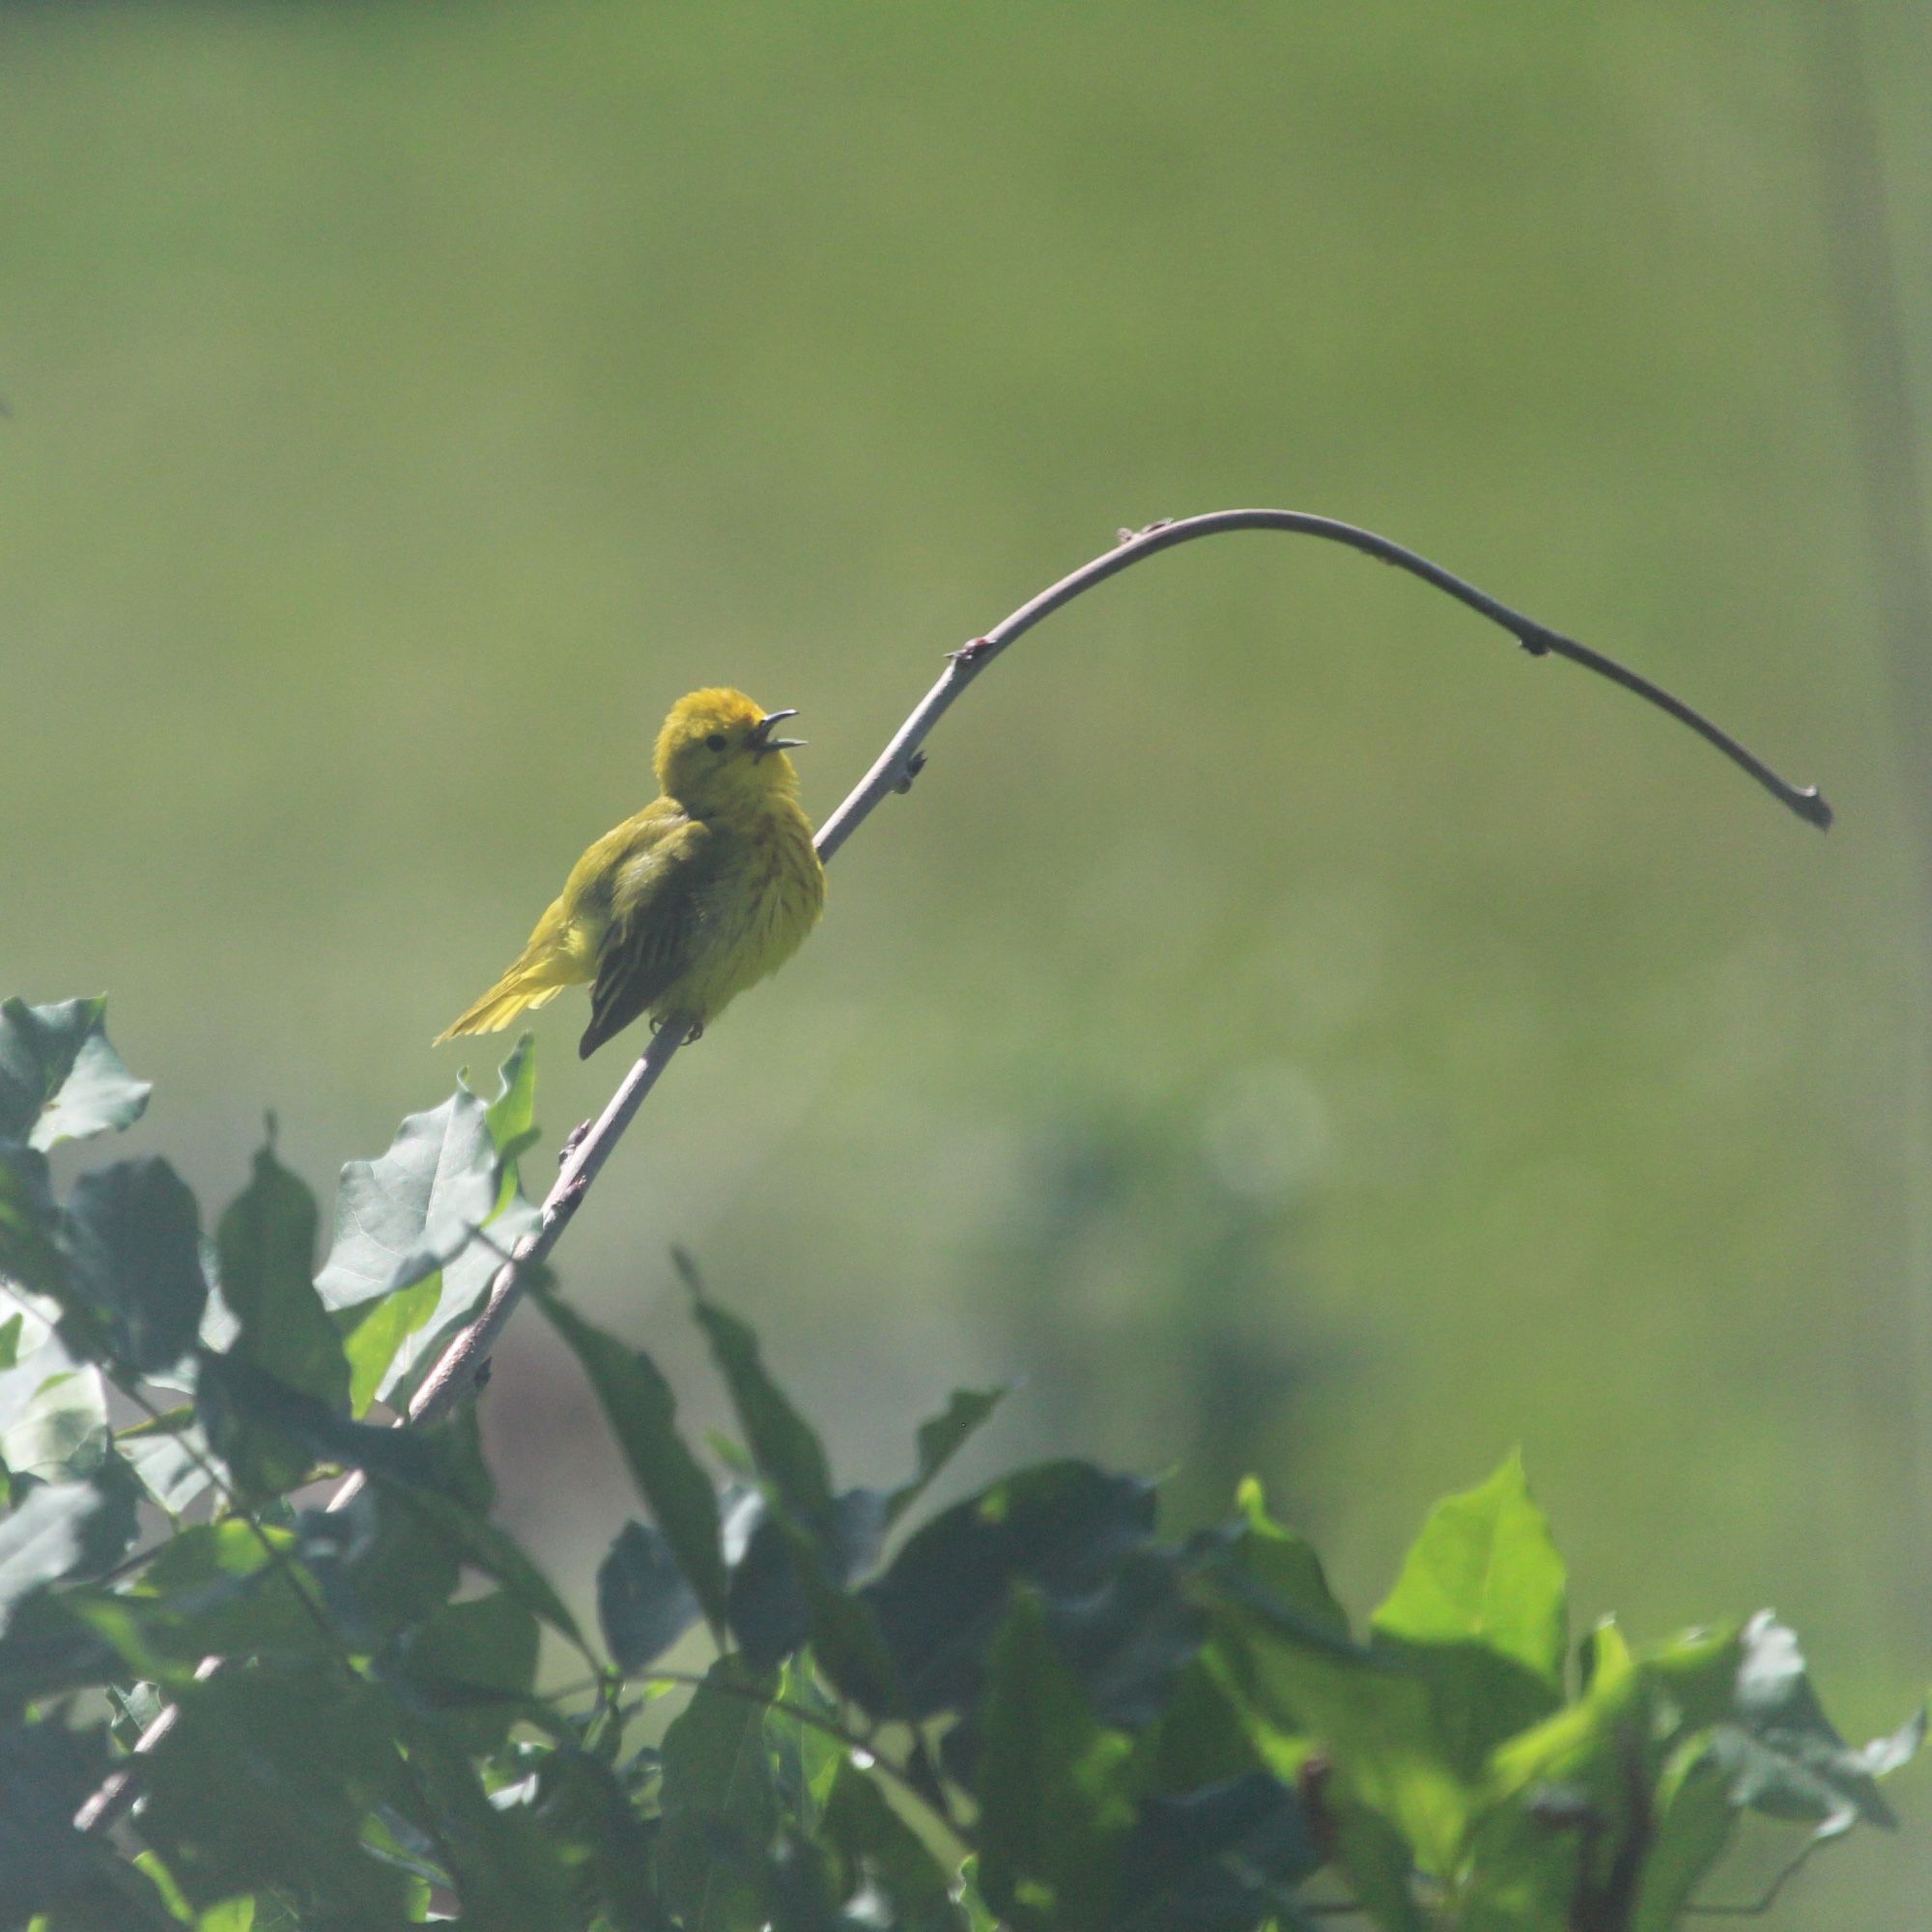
(521, 990)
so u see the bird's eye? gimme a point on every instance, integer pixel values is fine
(717, 741)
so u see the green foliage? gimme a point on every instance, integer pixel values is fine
(1033, 1711)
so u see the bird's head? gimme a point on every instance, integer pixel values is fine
(718, 751)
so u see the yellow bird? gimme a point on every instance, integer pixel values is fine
(677, 911)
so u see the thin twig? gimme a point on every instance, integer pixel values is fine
(115, 1794)
(458, 1368)
(456, 1372)
(1759, 1906)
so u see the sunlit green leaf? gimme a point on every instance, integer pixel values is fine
(53, 1414)
(1481, 1612)
(403, 1216)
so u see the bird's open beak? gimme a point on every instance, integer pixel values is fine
(762, 737)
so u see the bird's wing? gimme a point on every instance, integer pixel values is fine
(657, 918)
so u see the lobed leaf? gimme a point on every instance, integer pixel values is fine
(130, 1241)
(266, 1250)
(60, 1079)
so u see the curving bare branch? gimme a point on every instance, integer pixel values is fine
(461, 1364)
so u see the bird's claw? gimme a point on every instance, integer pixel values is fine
(971, 652)
(913, 765)
(571, 1141)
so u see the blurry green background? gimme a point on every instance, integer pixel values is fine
(1285, 1026)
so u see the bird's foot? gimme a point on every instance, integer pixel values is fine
(571, 1141)
(913, 765)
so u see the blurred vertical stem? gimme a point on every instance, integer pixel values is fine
(1865, 295)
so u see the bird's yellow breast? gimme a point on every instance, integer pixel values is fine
(765, 893)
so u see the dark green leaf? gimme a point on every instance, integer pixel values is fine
(60, 1080)
(582, 1810)
(379, 1569)
(1218, 1859)
(881, 1852)
(47, 1771)
(1054, 1813)
(637, 1404)
(131, 1240)
(805, 1755)
(1063, 1527)
(510, 1874)
(784, 1446)
(213, 1590)
(644, 1603)
(941, 1440)
(47, 1651)
(404, 1216)
(27, 1220)
(773, 1583)
(719, 1806)
(1126, 1641)
(454, 1511)
(475, 1662)
(265, 1779)
(237, 1400)
(265, 1243)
